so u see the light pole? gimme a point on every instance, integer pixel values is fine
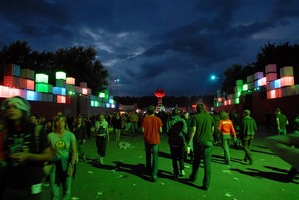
(116, 81)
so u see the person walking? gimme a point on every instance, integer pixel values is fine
(226, 127)
(248, 130)
(152, 128)
(102, 133)
(176, 139)
(281, 122)
(116, 122)
(64, 145)
(25, 148)
(202, 128)
(79, 130)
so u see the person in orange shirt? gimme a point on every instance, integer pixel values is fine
(227, 129)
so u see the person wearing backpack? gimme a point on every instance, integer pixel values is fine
(176, 139)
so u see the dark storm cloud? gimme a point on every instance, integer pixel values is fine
(171, 44)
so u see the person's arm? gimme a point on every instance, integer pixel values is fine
(278, 124)
(192, 133)
(44, 156)
(161, 129)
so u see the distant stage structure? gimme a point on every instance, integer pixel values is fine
(160, 93)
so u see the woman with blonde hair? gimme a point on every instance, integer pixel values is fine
(227, 129)
(63, 143)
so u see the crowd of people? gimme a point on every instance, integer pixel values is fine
(33, 149)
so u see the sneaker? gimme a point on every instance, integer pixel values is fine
(101, 160)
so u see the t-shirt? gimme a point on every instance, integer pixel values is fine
(61, 144)
(203, 122)
(151, 125)
(22, 175)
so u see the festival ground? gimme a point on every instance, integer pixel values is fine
(122, 175)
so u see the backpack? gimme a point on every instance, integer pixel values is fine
(175, 135)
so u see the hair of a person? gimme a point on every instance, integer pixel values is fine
(224, 115)
(151, 110)
(200, 107)
(22, 105)
(175, 111)
(57, 118)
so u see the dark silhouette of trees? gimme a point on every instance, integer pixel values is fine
(77, 62)
(282, 55)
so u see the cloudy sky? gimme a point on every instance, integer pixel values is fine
(149, 44)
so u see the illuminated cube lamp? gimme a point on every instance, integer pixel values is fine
(31, 96)
(102, 95)
(271, 77)
(239, 82)
(41, 78)
(287, 81)
(59, 90)
(70, 80)
(260, 82)
(61, 99)
(27, 74)
(245, 87)
(286, 71)
(42, 87)
(236, 101)
(14, 92)
(60, 75)
(11, 81)
(270, 68)
(12, 70)
(84, 91)
(258, 75)
(4, 91)
(60, 83)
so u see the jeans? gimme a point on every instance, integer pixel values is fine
(177, 155)
(66, 185)
(247, 142)
(152, 163)
(226, 139)
(282, 146)
(203, 151)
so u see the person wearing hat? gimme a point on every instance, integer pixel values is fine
(281, 122)
(152, 128)
(26, 149)
(248, 130)
(286, 147)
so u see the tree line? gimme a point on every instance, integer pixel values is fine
(78, 62)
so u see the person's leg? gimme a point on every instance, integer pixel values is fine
(246, 149)
(55, 189)
(180, 154)
(148, 163)
(155, 161)
(197, 157)
(67, 186)
(173, 152)
(207, 157)
(225, 146)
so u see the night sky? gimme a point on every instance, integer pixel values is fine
(148, 44)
